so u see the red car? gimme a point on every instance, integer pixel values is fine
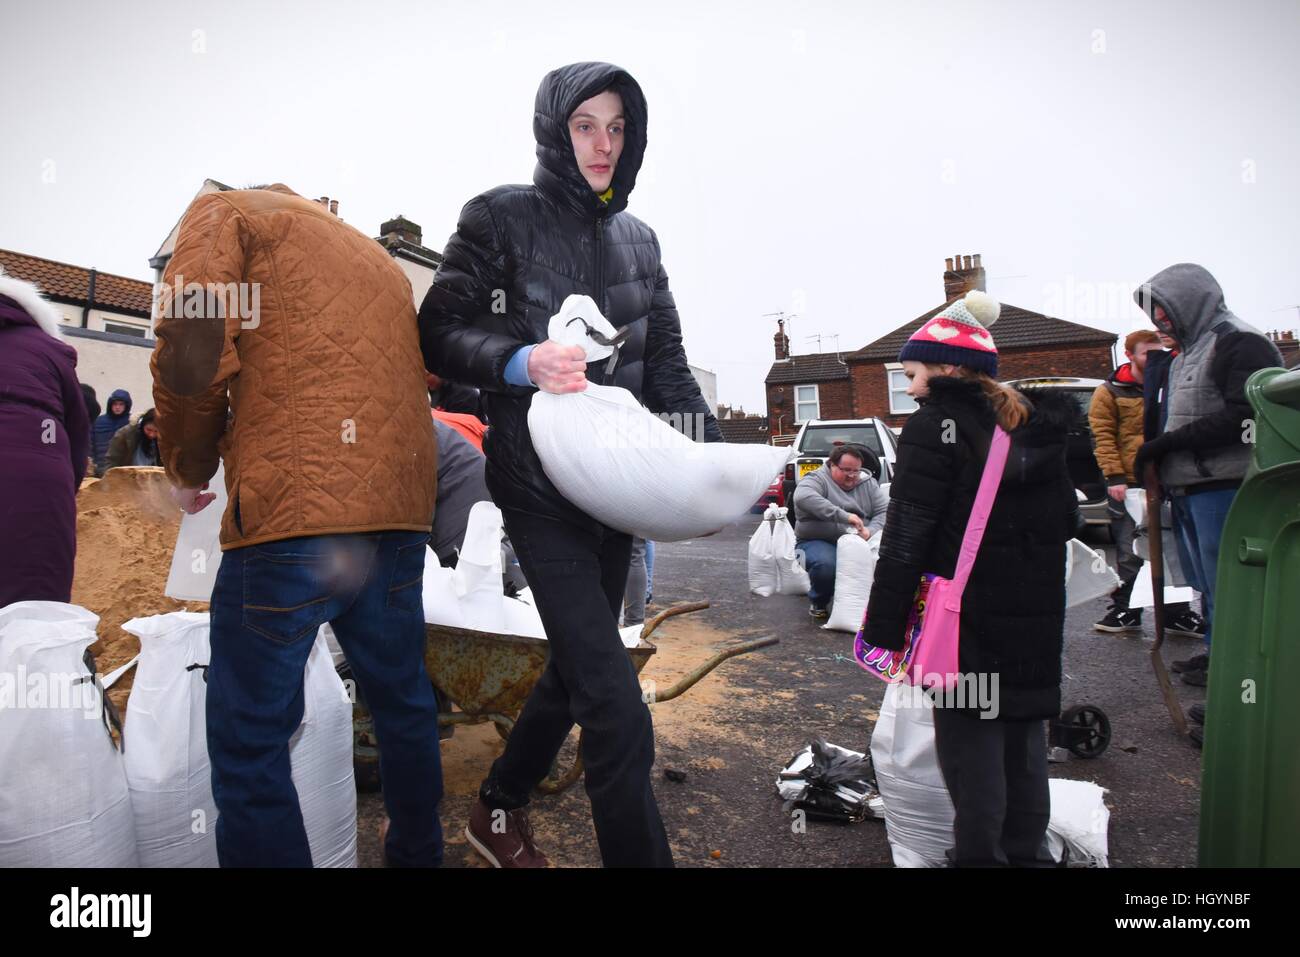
(773, 494)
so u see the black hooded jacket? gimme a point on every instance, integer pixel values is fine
(1013, 609)
(537, 245)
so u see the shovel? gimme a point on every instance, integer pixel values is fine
(1156, 543)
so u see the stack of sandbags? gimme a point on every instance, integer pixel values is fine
(167, 752)
(64, 800)
(774, 567)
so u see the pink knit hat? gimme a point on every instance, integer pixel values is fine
(959, 335)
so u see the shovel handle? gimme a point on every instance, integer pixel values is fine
(1155, 545)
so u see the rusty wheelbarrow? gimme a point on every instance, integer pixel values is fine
(489, 677)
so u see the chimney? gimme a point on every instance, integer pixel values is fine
(334, 206)
(400, 228)
(782, 341)
(967, 275)
(324, 201)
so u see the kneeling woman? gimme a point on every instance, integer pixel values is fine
(992, 751)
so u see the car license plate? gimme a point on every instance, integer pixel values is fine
(806, 467)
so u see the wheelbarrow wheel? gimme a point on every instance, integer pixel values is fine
(1088, 729)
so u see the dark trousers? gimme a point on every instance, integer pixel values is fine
(1122, 528)
(996, 774)
(267, 605)
(578, 578)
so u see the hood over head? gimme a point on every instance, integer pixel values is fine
(557, 173)
(118, 394)
(1189, 295)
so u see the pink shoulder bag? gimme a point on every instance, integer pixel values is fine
(929, 654)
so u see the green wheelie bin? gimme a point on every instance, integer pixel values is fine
(1250, 787)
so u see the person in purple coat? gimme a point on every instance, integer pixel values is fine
(44, 445)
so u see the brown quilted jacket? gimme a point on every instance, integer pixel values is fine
(1115, 416)
(310, 387)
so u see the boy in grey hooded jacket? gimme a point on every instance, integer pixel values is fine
(1204, 446)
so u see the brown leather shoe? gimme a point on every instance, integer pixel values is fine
(504, 838)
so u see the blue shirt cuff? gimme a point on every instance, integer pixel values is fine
(517, 368)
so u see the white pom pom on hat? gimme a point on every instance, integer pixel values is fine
(983, 307)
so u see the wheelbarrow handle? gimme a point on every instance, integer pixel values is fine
(680, 609)
(689, 679)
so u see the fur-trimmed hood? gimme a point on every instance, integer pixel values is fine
(29, 300)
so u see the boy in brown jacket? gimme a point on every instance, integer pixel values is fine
(1115, 416)
(287, 346)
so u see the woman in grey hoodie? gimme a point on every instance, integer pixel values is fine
(837, 499)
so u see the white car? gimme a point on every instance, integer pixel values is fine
(818, 437)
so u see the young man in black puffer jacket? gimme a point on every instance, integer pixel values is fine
(992, 752)
(517, 253)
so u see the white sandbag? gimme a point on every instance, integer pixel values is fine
(774, 566)
(331, 640)
(1143, 594)
(1136, 504)
(631, 469)
(441, 603)
(1080, 822)
(1087, 576)
(64, 800)
(197, 554)
(855, 570)
(918, 810)
(477, 576)
(167, 767)
(320, 754)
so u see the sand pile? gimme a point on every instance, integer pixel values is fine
(126, 530)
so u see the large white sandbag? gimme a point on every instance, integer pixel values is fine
(1087, 576)
(64, 800)
(197, 554)
(918, 810)
(855, 570)
(630, 469)
(774, 567)
(167, 766)
(320, 754)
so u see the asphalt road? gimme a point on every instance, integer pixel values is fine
(738, 727)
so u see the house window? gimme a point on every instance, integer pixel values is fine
(122, 329)
(806, 404)
(899, 401)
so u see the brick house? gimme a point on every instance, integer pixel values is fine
(1029, 344)
(804, 387)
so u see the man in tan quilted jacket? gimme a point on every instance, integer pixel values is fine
(287, 347)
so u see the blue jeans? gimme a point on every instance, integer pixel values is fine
(1199, 520)
(267, 605)
(819, 560)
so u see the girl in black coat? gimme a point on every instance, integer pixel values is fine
(991, 744)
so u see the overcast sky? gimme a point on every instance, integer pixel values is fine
(817, 158)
